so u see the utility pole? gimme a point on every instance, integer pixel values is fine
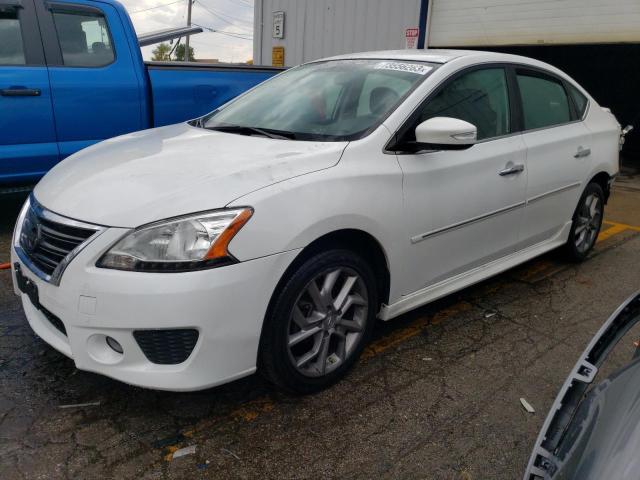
(187, 57)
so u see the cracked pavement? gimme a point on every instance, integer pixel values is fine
(436, 395)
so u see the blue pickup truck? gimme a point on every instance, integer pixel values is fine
(72, 74)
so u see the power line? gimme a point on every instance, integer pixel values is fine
(222, 32)
(241, 3)
(232, 16)
(231, 35)
(153, 8)
(246, 34)
(224, 17)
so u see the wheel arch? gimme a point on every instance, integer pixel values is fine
(356, 240)
(603, 179)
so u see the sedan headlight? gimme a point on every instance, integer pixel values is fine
(179, 244)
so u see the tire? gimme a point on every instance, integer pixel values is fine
(587, 221)
(309, 339)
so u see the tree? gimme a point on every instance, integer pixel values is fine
(161, 53)
(180, 53)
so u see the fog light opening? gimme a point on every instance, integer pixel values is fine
(115, 345)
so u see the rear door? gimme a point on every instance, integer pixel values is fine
(27, 133)
(558, 154)
(94, 78)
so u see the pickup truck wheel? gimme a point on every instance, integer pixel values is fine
(587, 221)
(319, 323)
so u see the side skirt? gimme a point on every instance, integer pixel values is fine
(463, 280)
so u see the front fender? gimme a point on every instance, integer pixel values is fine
(292, 214)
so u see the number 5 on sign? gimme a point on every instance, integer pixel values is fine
(278, 24)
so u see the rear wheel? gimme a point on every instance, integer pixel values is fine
(319, 322)
(587, 221)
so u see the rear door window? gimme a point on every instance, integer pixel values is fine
(544, 100)
(579, 100)
(11, 44)
(84, 38)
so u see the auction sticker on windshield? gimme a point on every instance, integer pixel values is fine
(404, 67)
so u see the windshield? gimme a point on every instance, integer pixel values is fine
(330, 101)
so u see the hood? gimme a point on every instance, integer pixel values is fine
(165, 172)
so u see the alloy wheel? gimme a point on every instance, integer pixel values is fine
(588, 223)
(327, 321)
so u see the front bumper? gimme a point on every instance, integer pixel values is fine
(225, 305)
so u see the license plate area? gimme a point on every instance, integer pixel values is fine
(26, 286)
(29, 288)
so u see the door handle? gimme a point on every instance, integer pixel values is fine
(20, 92)
(511, 170)
(582, 152)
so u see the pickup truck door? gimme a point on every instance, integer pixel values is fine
(28, 145)
(96, 79)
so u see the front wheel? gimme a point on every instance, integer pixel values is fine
(587, 221)
(319, 322)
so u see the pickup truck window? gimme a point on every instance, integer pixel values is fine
(84, 38)
(11, 47)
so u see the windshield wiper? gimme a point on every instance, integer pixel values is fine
(243, 130)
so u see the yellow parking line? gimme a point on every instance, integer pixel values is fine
(628, 227)
(538, 268)
(611, 231)
(395, 338)
(404, 334)
(249, 411)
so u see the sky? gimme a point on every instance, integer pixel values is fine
(232, 17)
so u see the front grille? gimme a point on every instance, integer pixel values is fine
(46, 242)
(53, 320)
(167, 347)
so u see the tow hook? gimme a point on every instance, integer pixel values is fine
(626, 130)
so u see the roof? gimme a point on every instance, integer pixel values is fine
(426, 55)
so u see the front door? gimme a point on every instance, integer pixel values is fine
(463, 208)
(27, 132)
(94, 76)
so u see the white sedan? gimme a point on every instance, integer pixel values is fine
(270, 234)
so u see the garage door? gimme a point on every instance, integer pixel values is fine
(460, 23)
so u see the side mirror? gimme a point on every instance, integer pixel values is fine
(446, 132)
